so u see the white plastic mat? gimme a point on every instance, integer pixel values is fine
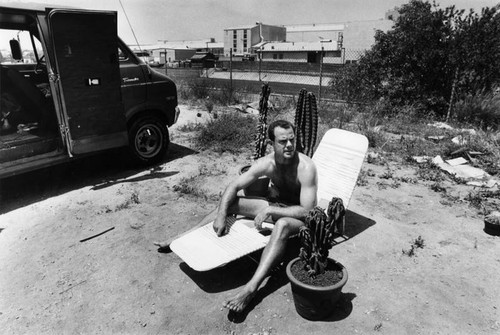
(203, 250)
(338, 160)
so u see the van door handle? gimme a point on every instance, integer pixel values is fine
(128, 80)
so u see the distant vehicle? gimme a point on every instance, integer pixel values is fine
(82, 92)
(249, 57)
(144, 56)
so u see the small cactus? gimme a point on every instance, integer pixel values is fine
(317, 236)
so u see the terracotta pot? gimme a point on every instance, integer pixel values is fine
(315, 302)
(492, 223)
(258, 188)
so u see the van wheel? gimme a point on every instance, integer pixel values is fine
(148, 140)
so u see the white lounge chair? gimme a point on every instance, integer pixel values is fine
(338, 158)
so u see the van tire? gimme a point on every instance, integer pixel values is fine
(148, 140)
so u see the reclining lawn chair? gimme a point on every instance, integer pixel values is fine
(338, 160)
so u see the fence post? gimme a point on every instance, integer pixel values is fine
(165, 63)
(260, 62)
(452, 95)
(231, 70)
(320, 74)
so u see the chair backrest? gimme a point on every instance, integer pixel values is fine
(338, 158)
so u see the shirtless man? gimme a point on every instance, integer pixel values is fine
(291, 196)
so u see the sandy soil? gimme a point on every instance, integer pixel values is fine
(119, 283)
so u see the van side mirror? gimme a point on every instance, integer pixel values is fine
(15, 49)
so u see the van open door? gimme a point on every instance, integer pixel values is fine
(85, 45)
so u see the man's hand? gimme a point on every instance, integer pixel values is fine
(261, 217)
(220, 226)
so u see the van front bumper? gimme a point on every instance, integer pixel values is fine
(177, 112)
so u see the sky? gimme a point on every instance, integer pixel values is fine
(175, 20)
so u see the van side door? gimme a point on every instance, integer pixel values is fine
(85, 45)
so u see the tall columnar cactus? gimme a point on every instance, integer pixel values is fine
(298, 120)
(317, 236)
(306, 122)
(260, 136)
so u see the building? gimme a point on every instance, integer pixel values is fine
(179, 51)
(243, 40)
(360, 35)
(302, 52)
(314, 32)
(353, 37)
(340, 42)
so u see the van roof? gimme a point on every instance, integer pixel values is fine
(32, 6)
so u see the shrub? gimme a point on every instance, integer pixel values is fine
(209, 105)
(225, 95)
(183, 91)
(482, 110)
(200, 89)
(376, 139)
(337, 115)
(229, 132)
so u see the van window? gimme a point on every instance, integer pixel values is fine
(122, 55)
(28, 49)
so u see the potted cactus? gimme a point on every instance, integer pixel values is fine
(316, 279)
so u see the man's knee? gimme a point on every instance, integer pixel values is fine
(286, 227)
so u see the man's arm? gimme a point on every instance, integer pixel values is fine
(257, 170)
(308, 191)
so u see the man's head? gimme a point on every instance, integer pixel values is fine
(278, 123)
(282, 135)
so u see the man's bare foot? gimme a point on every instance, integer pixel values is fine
(239, 302)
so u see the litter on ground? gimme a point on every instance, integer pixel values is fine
(458, 167)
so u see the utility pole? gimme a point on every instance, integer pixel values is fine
(260, 48)
(231, 70)
(320, 73)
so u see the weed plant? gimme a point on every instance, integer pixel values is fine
(191, 126)
(363, 177)
(230, 132)
(418, 243)
(189, 186)
(430, 172)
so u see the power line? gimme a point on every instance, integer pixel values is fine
(130, 25)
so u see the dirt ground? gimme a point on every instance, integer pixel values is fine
(118, 282)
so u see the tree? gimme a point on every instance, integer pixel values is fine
(429, 51)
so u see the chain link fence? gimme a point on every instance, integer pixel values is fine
(247, 76)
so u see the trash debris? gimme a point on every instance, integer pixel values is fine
(460, 140)
(441, 125)
(250, 108)
(458, 167)
(91, 237)
(436, 138)
(457, 161)
(421, 159)
(490, 183)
